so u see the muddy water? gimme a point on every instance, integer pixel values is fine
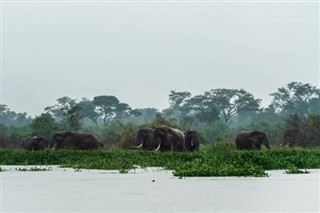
(154, 190)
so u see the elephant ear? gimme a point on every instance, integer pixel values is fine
(144, 133)
(260, 134)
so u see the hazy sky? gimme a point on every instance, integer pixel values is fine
(140, 51)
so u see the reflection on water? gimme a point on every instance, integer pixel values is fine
(154, 190)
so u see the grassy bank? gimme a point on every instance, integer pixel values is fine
(207, 162)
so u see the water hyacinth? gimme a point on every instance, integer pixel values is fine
(206, 162)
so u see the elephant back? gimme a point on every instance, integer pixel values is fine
(88, 140)
(28, 144)
(178, 139)
(42, 143)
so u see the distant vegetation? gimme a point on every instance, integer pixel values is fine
(292, 118)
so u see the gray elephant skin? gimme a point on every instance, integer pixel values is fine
(168, 139)
(144, 139)
(75, 140)
(36, 143)
(191, 140)
(252, 140)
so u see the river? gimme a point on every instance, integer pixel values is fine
(154, 190)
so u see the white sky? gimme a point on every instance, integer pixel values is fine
(140, 51)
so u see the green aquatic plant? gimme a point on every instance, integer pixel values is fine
(206, 162)
(294, 170)
(34, 169)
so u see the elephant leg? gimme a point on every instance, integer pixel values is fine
(172, 147)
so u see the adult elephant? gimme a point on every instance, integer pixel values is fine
(168, 139)
(36, 143)
(191, 140)
(75, 140)
(144, 139)
(252, 140)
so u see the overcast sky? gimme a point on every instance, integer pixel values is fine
(138, 52)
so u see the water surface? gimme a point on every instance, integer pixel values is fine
(154, 190)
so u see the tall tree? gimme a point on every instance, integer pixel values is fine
(202, 108)
(296, 97)
(89, 110)
(8, 117)
(229, 102)
(110, 108)
(178, 100)
(60, 110)
(106, 106)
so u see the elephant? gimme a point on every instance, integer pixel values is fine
(75, 140)
(36, 143)
(297, 137)
(191, 140)
(168, 139)
(144, 139)
(252, 140)
(290, 138)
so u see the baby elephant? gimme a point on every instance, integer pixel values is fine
(36, 143)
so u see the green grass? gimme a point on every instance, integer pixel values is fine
(210, 161)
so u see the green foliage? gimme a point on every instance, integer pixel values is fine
(110, 108)
(8, 117)
(43, 125)
(297, 97)
(216, 161)
(159, 121)
(301, 131)
(60, 110)
(117, 135)
(232, 101)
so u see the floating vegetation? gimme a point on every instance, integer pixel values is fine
(206, 162)
(34, 169)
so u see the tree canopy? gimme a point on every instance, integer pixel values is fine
(296, 97)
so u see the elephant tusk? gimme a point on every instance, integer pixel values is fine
(157, 148)
(138, 146)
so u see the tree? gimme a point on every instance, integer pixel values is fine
(296, 97)
(203, 108)
(60, 110)
(106, 105)
(145, 114)
(9, 117)
(74, 117)
(302, 131)
(110, 108)
(4, 114)
(89, 110)
(43, 125)
(229, 102)
(178, 100)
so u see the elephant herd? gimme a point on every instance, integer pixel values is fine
(166, 138)
(162, 138)
(170, 139)
(64, 139)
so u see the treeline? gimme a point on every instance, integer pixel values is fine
(218, 114)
